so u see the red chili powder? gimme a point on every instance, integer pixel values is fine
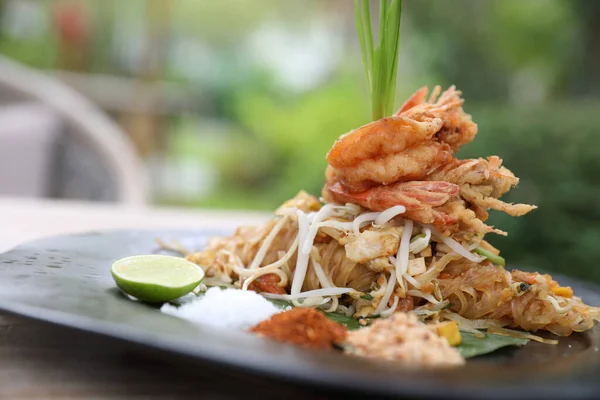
(304, 327)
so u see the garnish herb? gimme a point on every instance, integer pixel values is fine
(417, 237)
(349, 322)
(490, 256)
(472, 346)
(366, 297)
(523, 287)
(380, 62)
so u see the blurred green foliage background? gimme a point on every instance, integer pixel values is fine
(269, 85)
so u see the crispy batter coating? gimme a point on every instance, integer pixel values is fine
(412, 164)
(406, 146)
(481, 182)
(419, 198)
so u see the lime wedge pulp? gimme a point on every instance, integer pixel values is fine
(156, 278)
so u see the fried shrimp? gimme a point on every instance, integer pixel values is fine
(419, 198)
(413, 164)
(383, 137)
(384, 164)
(467, 219)
(458, 128)
(482, 182)
(407, 146)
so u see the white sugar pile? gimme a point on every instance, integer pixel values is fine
(225, 308)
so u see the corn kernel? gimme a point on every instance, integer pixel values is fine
(564, 291)
(450, 331)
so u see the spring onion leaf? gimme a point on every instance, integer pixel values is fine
(417, 237)
(362, 40)
(380, 63)
(366, 297)
(490, 256)
(524, 286)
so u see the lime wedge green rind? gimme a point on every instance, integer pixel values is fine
(156, 278)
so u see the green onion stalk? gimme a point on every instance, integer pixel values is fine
(380, 62)
(491, 256)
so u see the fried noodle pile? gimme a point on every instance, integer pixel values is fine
(400, 227)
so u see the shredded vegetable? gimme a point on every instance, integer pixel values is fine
(420, 241)
(455, 246)
(389, 289)
(490, 256)
(310, 293)
(302, 262)
(388, 214)
(403, 251)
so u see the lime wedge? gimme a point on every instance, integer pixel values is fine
(156, 278)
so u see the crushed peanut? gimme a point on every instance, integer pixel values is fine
(403, 338)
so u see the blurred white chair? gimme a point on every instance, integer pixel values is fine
(55, 143)
(28, 134)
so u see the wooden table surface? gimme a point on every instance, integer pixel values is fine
(39, 360)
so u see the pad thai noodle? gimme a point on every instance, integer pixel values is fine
(401, 226)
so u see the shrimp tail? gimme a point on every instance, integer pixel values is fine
(415, 100)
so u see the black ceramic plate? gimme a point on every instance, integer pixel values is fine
(66, 280)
